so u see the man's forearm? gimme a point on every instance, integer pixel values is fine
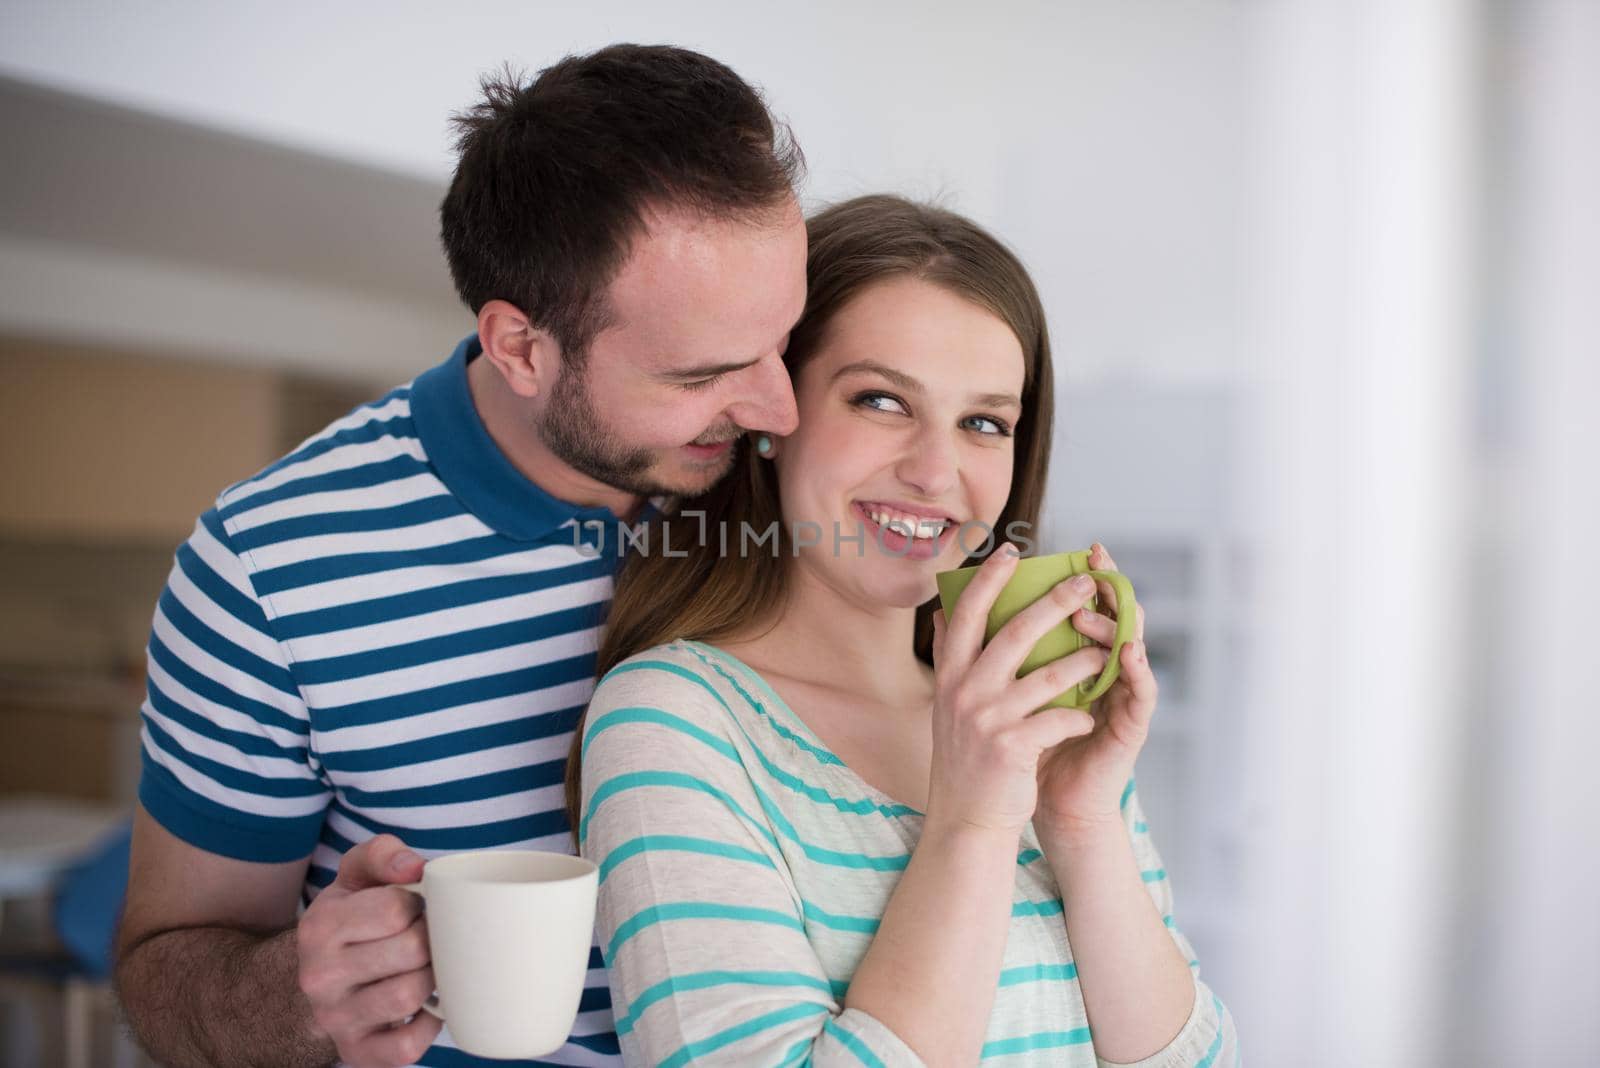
(200, 997)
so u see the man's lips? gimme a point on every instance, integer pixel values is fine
(706, 452)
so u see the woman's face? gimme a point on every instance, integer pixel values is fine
(906, 418)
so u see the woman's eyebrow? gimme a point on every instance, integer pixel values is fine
(997, 400)
(911, 385)
(898, 378)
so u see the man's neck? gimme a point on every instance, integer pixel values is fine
(504, 417)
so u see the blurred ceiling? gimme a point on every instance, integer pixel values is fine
(94, 192)
(87, 172)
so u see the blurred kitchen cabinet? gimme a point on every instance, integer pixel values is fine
(98, 446)
(106, 459)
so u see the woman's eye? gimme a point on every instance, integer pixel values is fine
(880, 402)
(984, 424)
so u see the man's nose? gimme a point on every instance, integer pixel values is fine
(768, 403)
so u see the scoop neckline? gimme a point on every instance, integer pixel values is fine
(755, 676)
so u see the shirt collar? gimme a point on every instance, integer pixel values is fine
(472, 466)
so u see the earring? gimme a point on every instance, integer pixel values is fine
(763, 444)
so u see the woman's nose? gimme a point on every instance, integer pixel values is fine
(929, 464)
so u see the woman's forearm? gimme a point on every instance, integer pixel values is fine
(933, 968)
(1137, 988)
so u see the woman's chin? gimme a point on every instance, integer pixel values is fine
(911, 592)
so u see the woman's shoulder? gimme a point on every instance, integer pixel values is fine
(681, 677)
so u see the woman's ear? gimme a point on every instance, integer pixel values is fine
(527, 358)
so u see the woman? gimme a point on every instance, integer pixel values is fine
(815, 845)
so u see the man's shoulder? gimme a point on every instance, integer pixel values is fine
(341, 453)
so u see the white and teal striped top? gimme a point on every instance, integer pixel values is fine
(744, 869)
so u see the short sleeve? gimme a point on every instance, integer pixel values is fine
(699, 920)
(227, 761)
(1208, 1038)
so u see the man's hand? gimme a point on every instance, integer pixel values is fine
(364, 961)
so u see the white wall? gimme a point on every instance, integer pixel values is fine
(1101, 139)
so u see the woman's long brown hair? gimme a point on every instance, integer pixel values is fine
(696, 591)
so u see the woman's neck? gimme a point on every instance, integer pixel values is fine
(825, 638)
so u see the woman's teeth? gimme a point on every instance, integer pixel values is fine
(908, 526)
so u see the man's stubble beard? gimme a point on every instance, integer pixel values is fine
(574, 432)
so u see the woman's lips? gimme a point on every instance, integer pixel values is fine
(895, 543)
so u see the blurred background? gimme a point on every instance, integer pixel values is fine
(1324, 286)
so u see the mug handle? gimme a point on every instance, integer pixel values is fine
(432, 1004)
(1127, 623)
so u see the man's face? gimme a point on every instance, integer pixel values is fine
(700, 316)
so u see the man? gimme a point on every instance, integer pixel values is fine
(374, 650)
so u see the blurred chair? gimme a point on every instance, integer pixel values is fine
(85, 894)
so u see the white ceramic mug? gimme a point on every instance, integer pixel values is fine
(509, 932)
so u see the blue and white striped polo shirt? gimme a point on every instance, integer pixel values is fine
(389, 630)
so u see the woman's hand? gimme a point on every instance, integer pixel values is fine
(1082, 779)
(989, 727)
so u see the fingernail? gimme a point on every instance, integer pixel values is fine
(404, 859)
(1083, 583)
(1008, 549)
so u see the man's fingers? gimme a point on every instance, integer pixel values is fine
(379, 861)
(383, 958)
(401, 1043)
(386, 1002)
(379, 912)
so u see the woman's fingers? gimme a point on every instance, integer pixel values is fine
(1049, 727)
(1014, 641)
(1100, 560)
(1094, 626)
(1049, 681)
(965, 628)
(1141, 682)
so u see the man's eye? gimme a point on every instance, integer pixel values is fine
(702, 383)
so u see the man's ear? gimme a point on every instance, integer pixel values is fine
(526, 357)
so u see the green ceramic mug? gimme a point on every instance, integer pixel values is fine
(1034, 577)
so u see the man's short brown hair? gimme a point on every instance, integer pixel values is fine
(555, 176)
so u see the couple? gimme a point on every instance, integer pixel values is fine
(814, 844)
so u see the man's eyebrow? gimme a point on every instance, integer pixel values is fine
(707, 370)
(911, 385)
